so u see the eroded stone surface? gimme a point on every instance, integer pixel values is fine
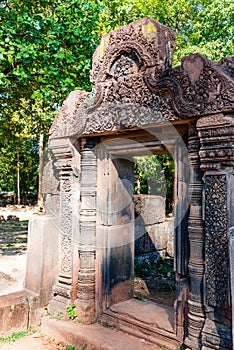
(161, 317)
(94, 336)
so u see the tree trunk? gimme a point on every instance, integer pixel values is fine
(18, 180)
(41, 149)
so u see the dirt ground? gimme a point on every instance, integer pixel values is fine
(32, 342)
(13, 246)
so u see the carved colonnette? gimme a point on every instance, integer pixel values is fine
(216, 134)
(87, 240)
(196, 317)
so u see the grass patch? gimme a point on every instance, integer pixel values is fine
(17, 335)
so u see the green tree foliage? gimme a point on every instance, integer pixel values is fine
(45, 52)
(46, 49)
(204, 26)
(155, 175)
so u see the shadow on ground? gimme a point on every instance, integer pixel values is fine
(13, 237)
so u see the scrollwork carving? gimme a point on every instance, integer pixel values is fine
(197, 87)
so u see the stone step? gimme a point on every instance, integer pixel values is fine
(146, 320)
(94, 337)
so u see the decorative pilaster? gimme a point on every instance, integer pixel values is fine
(62, 150)
(217, 159)
(196, 317)
(87, 242)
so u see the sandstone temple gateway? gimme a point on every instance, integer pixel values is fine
(82, 249)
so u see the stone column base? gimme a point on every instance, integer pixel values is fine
(216, 336)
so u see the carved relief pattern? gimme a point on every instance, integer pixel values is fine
(216, 239)
(62, 152)
(217, 138)
(199, 86)
(66, 118)
(140, 37)
(66, 227)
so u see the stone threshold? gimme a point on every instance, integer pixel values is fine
(147, 320)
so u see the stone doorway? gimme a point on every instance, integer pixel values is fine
(154, 275)
(117, 222)
(136, 89)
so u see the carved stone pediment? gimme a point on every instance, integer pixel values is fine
(135, 86)
(198, 87)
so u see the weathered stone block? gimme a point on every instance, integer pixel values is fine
(14, 310)
(158, 237)
(42, 257)
(151, 208)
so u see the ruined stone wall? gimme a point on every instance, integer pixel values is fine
(154, 232)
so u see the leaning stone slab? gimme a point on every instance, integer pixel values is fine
(42, 257)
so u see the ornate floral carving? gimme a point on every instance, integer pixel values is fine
(216, 228)
(132, 71)
(197, 87)
(66, 226)
(151, 42)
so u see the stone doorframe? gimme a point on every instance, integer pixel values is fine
(115, 216)
(136, 88)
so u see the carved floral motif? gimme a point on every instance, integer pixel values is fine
(66, 227)
(216, 228)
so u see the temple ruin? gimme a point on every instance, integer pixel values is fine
(82, 249)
